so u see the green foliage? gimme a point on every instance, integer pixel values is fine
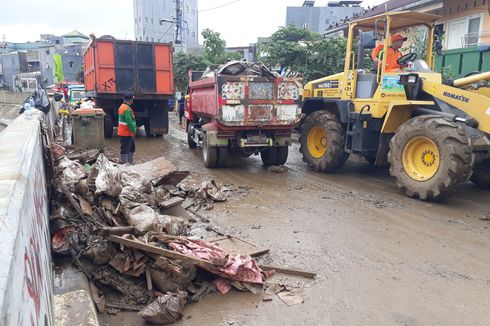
(303, 51)
(214, 53)
(447, 73)
(417, 42)
(183, 62)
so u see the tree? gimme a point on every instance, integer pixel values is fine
(303, 51)
(214, 48)
(183, 62)
(214, 53)
(214, 45)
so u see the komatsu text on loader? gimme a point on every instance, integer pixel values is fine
(434, 135)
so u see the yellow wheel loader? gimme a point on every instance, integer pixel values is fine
(433, 135)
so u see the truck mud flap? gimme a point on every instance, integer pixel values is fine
(158, 119)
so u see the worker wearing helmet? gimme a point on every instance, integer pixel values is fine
(393, 54)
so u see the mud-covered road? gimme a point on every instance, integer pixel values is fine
(381, 258)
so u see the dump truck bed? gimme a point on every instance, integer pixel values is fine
(246, 101)
(114, 67)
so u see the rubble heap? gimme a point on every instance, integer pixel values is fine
(126, 228)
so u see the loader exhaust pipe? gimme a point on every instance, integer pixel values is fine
(470, 122)
(469, 80)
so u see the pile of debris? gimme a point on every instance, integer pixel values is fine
(126, 228)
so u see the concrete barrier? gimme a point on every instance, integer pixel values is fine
(13, 97)
(26, 278)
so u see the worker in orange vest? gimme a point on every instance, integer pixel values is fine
(393, 54)
(126, 129)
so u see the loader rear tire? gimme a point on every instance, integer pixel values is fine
(430, 157)
(322, 142)
(209, 153)
(481, 174)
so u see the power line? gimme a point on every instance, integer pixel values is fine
(217, 7)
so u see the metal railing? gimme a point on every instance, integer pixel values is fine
(476, 38)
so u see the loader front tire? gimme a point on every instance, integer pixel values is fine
(190, 136)
(430, 157)
(481, 174)
(322, 142)
(209, 153)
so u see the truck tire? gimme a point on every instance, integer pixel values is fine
(322, 142)
(108, 126)
(481, 174)
(269, 156)
(146, 124)
(223, 156)
(430, 157)
(190, 139)
(209, 154)
(282, 155)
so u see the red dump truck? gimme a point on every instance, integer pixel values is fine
(243, 109)
(115, 67)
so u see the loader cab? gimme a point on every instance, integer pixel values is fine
(372, 87)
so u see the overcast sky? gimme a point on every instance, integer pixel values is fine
(239, 23)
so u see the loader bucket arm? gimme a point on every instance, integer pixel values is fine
(475, 105)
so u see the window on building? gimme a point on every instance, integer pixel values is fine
(194, 34)
(57, 41)
(473, 31)
(306, 26)
(70, 63)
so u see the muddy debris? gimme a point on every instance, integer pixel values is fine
(126, 228)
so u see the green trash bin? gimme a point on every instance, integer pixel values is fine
(88, 128)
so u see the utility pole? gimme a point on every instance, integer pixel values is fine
(178, 24)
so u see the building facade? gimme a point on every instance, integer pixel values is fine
(167, 21)
(464, 22)
(38, 58)
(318, 19)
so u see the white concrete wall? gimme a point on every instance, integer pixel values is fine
(26, 280)
(13, 97)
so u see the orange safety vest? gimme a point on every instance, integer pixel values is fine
(122, 127)
(391, 59)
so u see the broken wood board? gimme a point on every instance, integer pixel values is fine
(238, 246)
(288, 271)
(173, 178)
(171, 202)
(160, 251)
(155, 169)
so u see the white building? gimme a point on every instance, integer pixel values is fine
(159, 21)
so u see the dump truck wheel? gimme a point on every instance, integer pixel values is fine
(269, 156)
(209, 154)
(282, 155)
(190, 139)
(108, 126)
(481, 174)
(429, 157)
(322, 142)
(223, 156)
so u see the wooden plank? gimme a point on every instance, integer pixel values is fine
(117, 230)
(174, 201)
(160, 251)
(288, 271)
(238, 246)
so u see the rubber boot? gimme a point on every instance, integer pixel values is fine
(124, 159)
(130, 158)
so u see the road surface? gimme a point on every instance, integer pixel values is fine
(381, 258)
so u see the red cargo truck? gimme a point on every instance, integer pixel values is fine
(115, 67)
(241, 108)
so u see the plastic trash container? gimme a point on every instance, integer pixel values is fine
(88, 128)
